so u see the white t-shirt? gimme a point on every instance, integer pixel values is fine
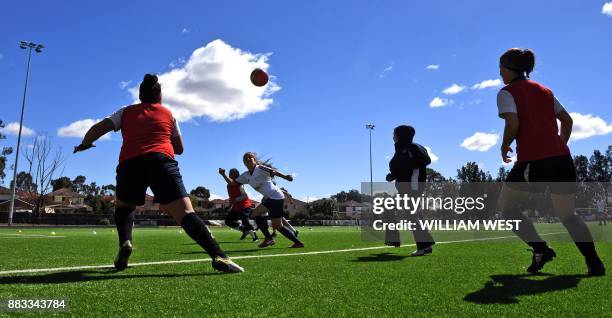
(117, 116)
(506, 104)
(601, 206)
(261, 181)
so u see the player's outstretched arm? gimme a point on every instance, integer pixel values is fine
(94, 133)
(227, 179)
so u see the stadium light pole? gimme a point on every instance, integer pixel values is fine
(37, 48)
(370, 127)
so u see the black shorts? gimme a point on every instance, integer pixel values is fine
(154, 170)
(556, 173)
(275, 207)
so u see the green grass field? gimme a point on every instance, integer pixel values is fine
(483, 277)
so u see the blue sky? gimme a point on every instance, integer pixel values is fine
(339, 65)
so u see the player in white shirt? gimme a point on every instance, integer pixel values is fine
(259, 177)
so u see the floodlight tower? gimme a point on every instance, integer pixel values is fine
(37, 48)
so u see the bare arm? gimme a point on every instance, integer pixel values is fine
(94, 133)
(510, 131)
(287, 177)
(177, 144)
(566, 125)
(227, 179)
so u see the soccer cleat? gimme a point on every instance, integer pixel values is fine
(422, 251)
(596, 268)
(297, 245)
(121, 261)
(538, 260)
(226, 265)
(266, 243)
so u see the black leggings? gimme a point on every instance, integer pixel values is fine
(232, 218)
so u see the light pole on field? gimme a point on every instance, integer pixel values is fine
(37, 48)
(370, 127)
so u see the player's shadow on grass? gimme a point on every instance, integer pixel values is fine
(87, 275)
(504, 289)
(236, 251)
(380, 257)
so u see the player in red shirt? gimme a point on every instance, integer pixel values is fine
(240, 206)
(531, 111)
(151, 137)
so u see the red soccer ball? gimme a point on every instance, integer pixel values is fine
(259, 77)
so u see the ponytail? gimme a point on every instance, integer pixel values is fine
(150, 89)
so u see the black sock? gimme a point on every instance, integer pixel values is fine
(581, 236)
(526, 231)
(289, 234)
(198, 231)
(262, 223)
(124, 220)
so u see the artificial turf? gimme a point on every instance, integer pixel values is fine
(484, 277)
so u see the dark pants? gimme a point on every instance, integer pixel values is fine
(232, 218)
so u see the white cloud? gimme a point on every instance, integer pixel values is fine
(439, 102)
(586, 126)
(215, 197)
(432, 155)
(309, 198)
(124, 84)
(432, 67)
(607, 9)
(480, 141)
(185, 30)
(487, 84)
(453, 89)
(13, 129)
(78, 129)
(386, 70)
(215, 83)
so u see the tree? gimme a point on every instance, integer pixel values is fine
(582, 167)
(6, 151)
(352, 195)
(502, 173)
(201, 192)
(322, 207)
(61, 183)
(43, 162)
(598, 167)
(470, 172)
(24, 182)
(434, 176)
(78, 183)
(109, 189)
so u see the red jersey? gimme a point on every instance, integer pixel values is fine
(238, 198)
(146, 128)
(538, 134)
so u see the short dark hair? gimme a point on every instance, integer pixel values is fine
(518, 60)
(150, 89)
(404, 133)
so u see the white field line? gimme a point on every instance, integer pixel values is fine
(28, 236)
(185, 261)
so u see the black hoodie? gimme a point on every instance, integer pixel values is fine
(407, 158)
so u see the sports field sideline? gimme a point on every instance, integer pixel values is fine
(337, 272)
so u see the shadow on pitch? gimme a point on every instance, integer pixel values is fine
(236, 251)
(380, 257)
(86, 276)
(504, 289)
